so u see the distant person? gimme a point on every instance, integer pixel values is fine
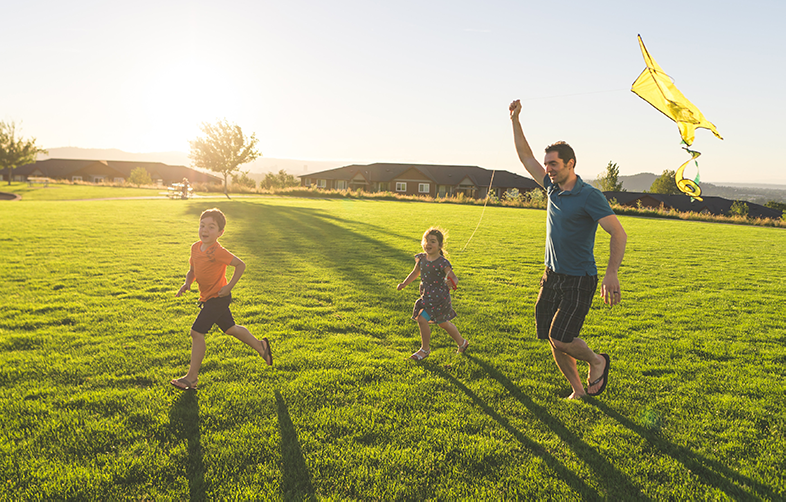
(209, 262)
(434, 305)
(185, 188)
(569, 283)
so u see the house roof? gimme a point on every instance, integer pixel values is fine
(713, 205)
(439, 174)
(63, 168)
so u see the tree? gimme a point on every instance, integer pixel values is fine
(16, 152)
(243, 179)
(223, 149)
(279, 180)
(140, 176)
(608, 182)
(665, 184)
(739, 208)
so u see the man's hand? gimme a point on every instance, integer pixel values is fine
(515, 109)
(610, 289)
(224, 291)
(183, 289)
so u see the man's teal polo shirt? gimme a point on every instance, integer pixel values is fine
(572, 220)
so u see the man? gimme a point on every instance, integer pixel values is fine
(574, 211)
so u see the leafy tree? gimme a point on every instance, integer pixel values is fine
(15, 152)
(665, 184)
(140, 176)
(242, 179)
(608, 181)
(739, 208)
(780, 206)
(223, 149)
(279, 180)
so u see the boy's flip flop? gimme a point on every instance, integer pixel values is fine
(183, 384)
(604, 377)
(269, 358)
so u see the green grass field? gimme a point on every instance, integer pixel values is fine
(91, 333)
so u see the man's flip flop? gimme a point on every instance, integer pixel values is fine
(604, 377)
(269, 358)
(183, 384)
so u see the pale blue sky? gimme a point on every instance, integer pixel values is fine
(404, 81)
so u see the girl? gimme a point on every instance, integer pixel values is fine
(433, 306)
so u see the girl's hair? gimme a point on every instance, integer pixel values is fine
(441, 236)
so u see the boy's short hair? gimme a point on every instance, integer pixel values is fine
(217, 216)
(564, 151)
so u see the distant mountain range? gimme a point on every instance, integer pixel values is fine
(757, 193)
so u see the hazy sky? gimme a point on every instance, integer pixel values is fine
(402, 81)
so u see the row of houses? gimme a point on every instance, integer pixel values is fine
(419, 179)
(113, 171)
(406, 179)
(474, 182)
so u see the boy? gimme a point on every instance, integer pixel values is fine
(209, 262)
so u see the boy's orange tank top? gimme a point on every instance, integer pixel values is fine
(210, 268)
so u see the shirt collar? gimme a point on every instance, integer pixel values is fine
(576, 188)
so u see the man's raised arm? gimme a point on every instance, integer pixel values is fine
(526, 156)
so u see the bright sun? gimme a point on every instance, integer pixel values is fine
(177, 100)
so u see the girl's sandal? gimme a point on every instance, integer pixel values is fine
(420, 355)
(463, 347)
(183, 384)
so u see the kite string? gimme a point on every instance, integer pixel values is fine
(482, 212)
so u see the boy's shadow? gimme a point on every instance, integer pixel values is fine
(184, 420)
(296, 480)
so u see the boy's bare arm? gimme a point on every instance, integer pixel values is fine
(240, 267)
(187, 285)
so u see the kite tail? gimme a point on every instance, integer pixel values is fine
(688, 186)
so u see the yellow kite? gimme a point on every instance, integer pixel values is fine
(656, 88)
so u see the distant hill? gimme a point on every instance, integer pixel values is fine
(758, 193)
(260, 166)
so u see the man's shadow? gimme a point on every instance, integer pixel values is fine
(184, 420)
(711, 472)
(295, 478)
(614, 483)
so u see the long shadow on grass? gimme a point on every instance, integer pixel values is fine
(709, 471)
(295, 478)
(293, 241)
(184, 417)
(575, 482)
(617, 486)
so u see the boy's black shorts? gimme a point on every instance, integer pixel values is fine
(563, 303)
(214, 311)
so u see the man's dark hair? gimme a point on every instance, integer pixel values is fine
(564, 152)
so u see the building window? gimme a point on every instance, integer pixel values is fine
(120, 181)
(321, 183)
(401, 186)
(308, 182)
(76, 178)
(341, 184)
(423, 187)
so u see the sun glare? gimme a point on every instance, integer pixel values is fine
(177, 100)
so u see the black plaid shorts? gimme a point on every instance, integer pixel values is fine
(563, 303)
